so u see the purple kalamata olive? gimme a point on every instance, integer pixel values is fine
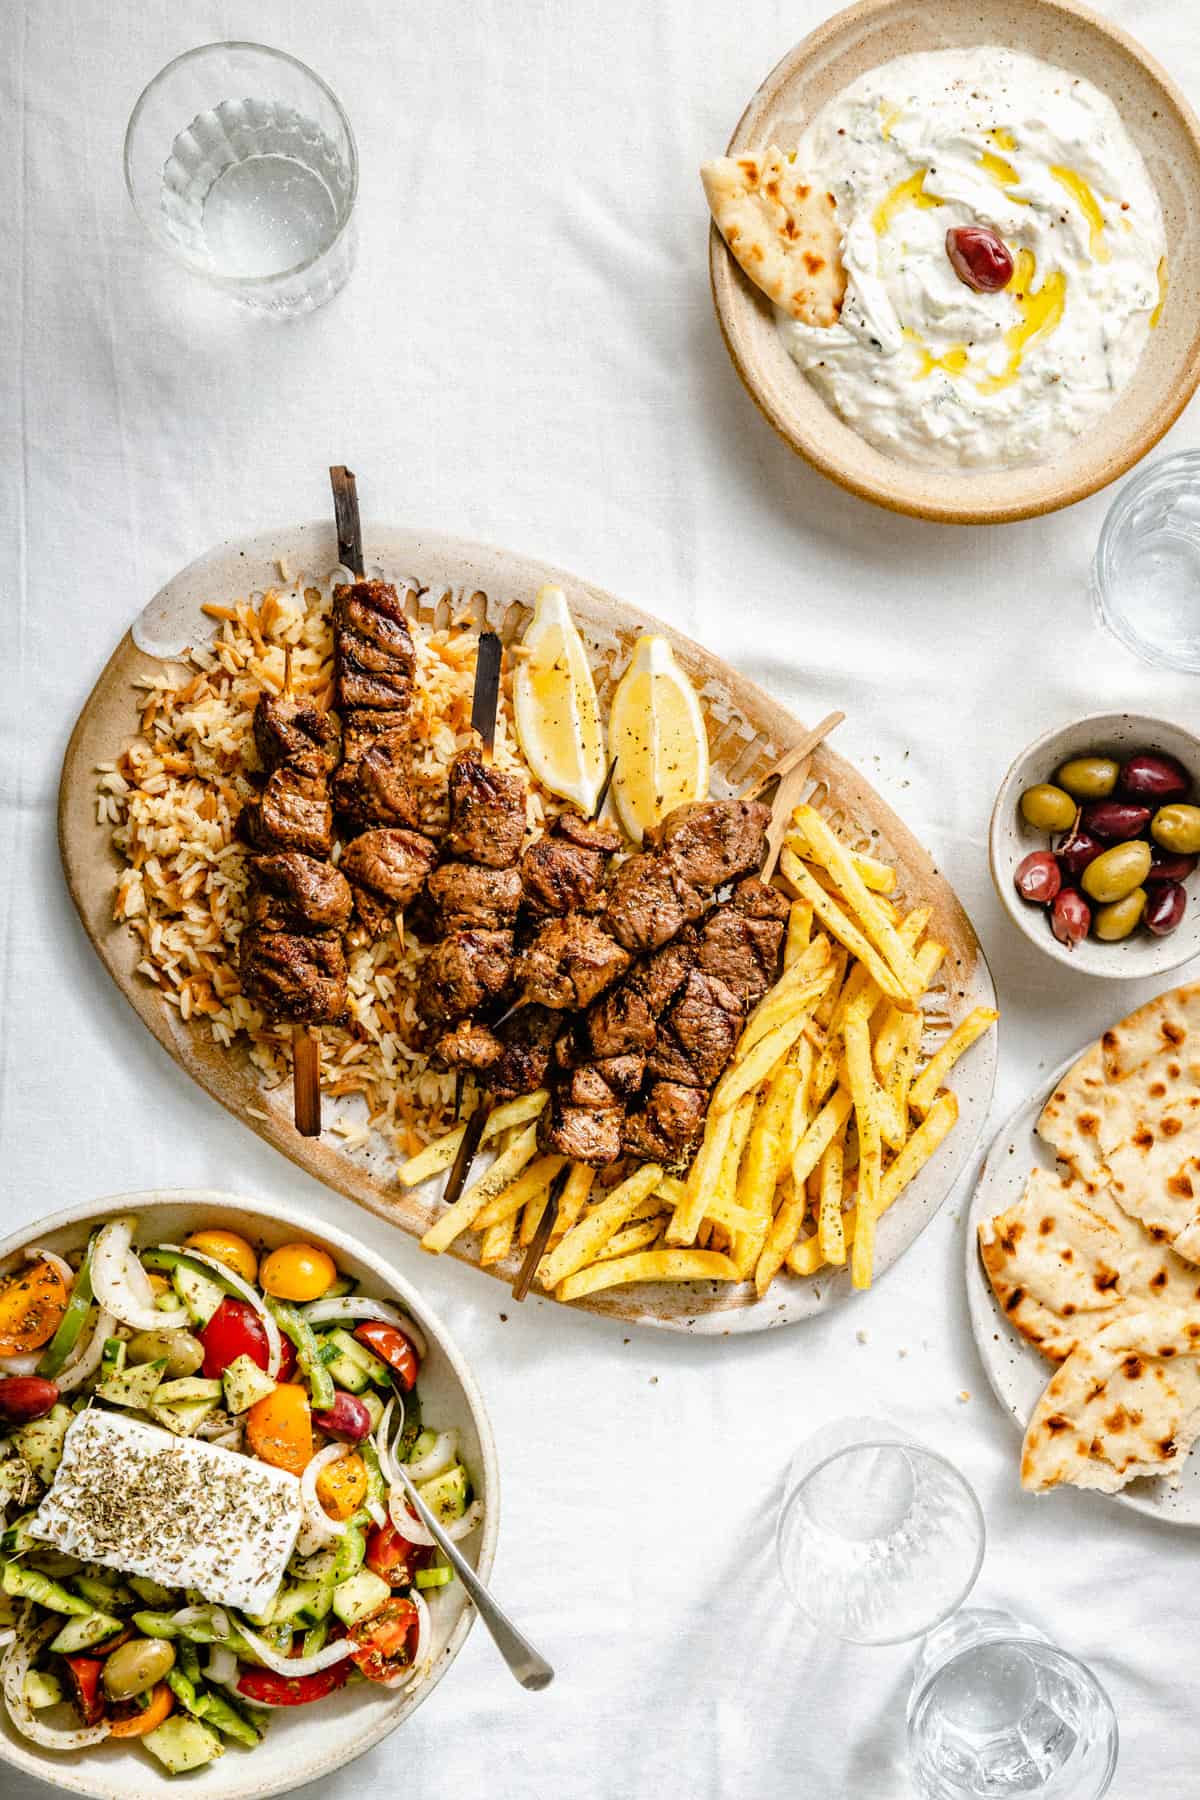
(1077, 850)
(1165, 907)
(1038, 878)
(1154, 776)
(25, 1397)
(1116, 821)
(979, 257)
(346, 1418)
(1168, 865)
(1070, 917)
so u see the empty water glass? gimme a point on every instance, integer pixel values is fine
(879, 1539)
(241, 164)
(1146, 572)
(996, 1710)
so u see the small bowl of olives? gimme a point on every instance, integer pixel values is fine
(1094, 843)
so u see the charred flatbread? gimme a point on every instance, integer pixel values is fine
(782, 229)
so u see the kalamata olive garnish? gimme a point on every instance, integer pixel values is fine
(1166, 865)
(1038, 878)
(1116, 821)
(346, 1418)
(1165, 907)
(1077, 850)
(979, 257)
(1157, 777)
(1070, 917)
(25, 1397)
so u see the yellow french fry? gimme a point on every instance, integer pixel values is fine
(649, 1265)
(572, 1200)
(827, 849)
(585, 1240)
(779, 1001)
(441, 1153)
(703, 1174)
(631, 1238)
(743, 1077)
(466, 1209)
(799, 930)
(866, 1117)
(784, 1230)
(832, 1239)
(820, 1134)
(924, 1088)
(938, 1121)
(894, 1124)
(879, 876)
(497, 1241)
(806, 1257)
(531, 1218)
(535, 1179)
(843, 928)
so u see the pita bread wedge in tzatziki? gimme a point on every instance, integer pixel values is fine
(782, 230)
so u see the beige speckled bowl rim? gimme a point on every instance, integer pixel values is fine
(740, 312)
(330, 1742)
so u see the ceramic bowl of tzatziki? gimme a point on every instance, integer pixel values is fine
(1017, 187)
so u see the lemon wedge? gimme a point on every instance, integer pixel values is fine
(555, 705)
(656, 732)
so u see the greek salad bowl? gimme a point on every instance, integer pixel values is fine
(202, 1398)
(964, 436)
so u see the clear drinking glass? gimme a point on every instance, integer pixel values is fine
(879, 1539)
(997, 1710)
(242, 165)
(1146, 572)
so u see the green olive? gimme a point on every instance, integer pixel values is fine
(1177, 828)
(1047, 808)
(134, 1667)
(1117, 872)
(183, 1352)
(1112, 923)
(1089, 777)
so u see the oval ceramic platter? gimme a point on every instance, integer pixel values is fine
(1165, 130)
(748, 732)
(1017, 1372)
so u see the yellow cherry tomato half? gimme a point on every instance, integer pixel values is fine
(32, 1303)
(298, 1272)
(279, 1428)
(228, 1248)
(342, 1486)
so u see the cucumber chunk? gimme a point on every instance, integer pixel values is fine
(182, 1743)
(359, 1597)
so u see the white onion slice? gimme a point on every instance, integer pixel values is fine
(358, 1306)
(412, 1529)
(8, 1635)
(113, 1261)
(244, 1291)
(27, 1642)
(293, 1666)
(24, 1364)
(461, 1528)
(377, 1510)
(320, 1525)
(222, 1665)
(60, 1265)
(435, 1461)
(381, 1437)
(85, 1360)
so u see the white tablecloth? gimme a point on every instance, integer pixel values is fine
(528, 355)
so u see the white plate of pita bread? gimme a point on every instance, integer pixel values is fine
(1085, 1310)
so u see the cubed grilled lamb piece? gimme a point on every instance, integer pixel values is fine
(649, 903)
(668, 1126)
(697, 1037)
(712, 842)
(376, 788)
(375, 657)
(589, 834)
(287, 727)
(662, 975)
(468, 1045)
(487, 812)
(463, 972)
(621, 1023)
(390, 861)
(364, 726)
(468, 897)
(569, 962)
(740, 942)
(294, 811)
(623, 1074)
(528, 1039)
(293, 977)
(561, 876)
(583, 1133)
(586, 1086)
(291, 892)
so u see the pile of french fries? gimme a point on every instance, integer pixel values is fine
(817, 1125)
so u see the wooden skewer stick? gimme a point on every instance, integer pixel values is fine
(788, 777)
(541, 1236)
(346, 518)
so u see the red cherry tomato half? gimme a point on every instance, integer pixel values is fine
(269, 1689)
(85, 1687)
(234, 1330)
(392, 1347)
(386, 1640)
(390, 1555)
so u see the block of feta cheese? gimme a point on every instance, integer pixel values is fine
(188, 1514)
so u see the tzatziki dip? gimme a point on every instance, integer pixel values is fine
(1005, 255)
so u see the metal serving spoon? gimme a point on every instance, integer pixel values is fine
(531, 1670)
